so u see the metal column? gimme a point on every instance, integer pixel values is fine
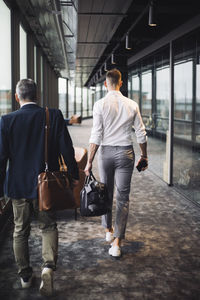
(171, 114)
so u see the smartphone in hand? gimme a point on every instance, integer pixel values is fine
(143, 163)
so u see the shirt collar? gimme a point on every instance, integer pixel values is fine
(114, 93)
(27, 104)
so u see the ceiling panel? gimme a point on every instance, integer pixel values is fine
(96, 29)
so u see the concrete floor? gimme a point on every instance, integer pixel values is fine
(161, 256)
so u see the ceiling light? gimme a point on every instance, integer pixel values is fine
(113, 59)
(152, 21)
(128, 45)
(105, 67)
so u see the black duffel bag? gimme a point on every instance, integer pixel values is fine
(94, 198)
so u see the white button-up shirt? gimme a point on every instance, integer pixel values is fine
(113, 118)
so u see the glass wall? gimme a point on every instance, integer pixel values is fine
(104, 90)
(78, 100)
(91, 100)
(42, 81)
(154, 100)
(85, 102)
(5, 60)
(135, 95)
(98, 91)
(183, 78)
(162, 99)
(35, 63)
(129, 87)
(146, 107)
(70, 98)
(62, 91)
(186, 171)
(197, 125)
(23, 53)
(161, 121)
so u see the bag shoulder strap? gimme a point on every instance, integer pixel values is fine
(46, 139)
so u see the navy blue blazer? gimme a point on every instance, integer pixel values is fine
(22, 134)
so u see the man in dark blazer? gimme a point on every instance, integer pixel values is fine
(22, 135)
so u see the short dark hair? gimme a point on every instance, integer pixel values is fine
(26, 89)
(114, 76)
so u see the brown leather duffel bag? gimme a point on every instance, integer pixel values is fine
(54, 188)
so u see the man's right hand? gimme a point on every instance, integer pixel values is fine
(88, 169)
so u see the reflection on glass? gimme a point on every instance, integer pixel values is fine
(147, 99)
(186, 171)
(5, 60)
(183, 100)
(23, 53)
(162, 100)
(136, 88)
(62, 90)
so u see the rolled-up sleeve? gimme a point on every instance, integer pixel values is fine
(97, 128)
(139, 127)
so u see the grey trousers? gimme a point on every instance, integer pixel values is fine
(23, 209)
(116, 167)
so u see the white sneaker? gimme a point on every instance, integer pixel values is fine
(115, 251)
(26, 282)
(109, 236)
(46, 286)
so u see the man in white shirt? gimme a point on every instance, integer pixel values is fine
(113, 118)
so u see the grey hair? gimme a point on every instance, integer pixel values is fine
(26, 89)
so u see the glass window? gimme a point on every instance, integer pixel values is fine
(183, 100)
(70, 98)
(35, 63)
(197, 129)
(78, 100)
(5, 60)
(186, 174)
(129, 87)
(85, 102)
(23, 53)
(62, 90)
(104, 90)
(42, 80)
(136, 88)
(98, 92)
(147, 99)
(162, 99)
(91, 100)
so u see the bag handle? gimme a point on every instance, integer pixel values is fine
(46, 139)
(88, 178)
(47, 127)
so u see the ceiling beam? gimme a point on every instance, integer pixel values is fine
(93, 43)
(88, 57)
(102, 14)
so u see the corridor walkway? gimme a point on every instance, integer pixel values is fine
(161, 253)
